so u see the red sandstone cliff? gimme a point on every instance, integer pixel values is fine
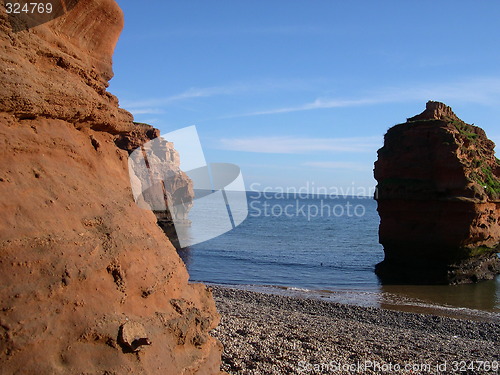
(439, 200)
(86, 276)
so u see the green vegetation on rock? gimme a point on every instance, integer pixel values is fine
(481, 250)
(465, 129)
(492, 182)
(488, 181)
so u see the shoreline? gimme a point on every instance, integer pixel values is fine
(273, 334)
(373, 298)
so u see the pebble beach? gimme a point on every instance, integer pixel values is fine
(273, 334)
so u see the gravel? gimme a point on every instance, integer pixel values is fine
(273, 334)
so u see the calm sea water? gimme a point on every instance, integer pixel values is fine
(323, 247)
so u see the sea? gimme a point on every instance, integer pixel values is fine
(324, 247)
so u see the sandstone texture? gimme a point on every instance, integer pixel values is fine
(61, 69)
(89, 284)
(438, 200)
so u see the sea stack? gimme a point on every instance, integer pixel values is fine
(438, 197)
(89, 284)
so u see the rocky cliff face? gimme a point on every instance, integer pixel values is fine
(158, 162)
(439, 200)
(88, 282)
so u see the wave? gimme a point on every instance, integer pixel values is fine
(372, 298)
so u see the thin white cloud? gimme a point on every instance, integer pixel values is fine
(151, 121)
(338, 165)
(485, 91)
(300, 145)
(268, 166)
(188, 94)
(317, 104)
(230, 89)
(285, 30)
(145, 111)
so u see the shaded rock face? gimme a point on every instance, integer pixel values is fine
(438, 200)
(89, 282)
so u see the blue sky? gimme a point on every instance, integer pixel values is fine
(301, 93)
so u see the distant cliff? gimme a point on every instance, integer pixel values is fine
(89, 284)
(438, 200)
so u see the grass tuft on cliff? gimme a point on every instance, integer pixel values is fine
(465, 129)
(481, 250)
(480, 152)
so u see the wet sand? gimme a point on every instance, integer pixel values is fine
(273, 334)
